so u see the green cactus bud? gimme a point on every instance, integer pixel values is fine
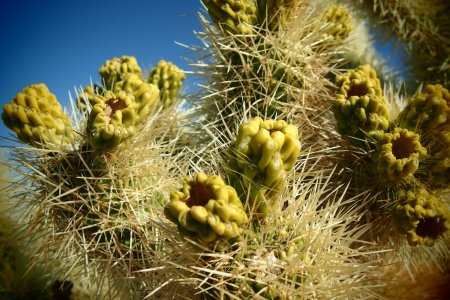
(421, 217)
(339, 22)
(145, 94)
(398, 154)
(168, 78)
(275, 13)
(234, 16)
(37, 118)
(117, 69)
(266, 150)
(427, 110)
(89, 95)
(360, 107)
(112, 120)
(206, 206)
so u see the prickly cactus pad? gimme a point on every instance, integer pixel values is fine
(265, 151)
(234, 16)
(168, 78)
(339, 22)
(111, 120)
(207, 207)
(427, 110)
(117, 69)
(276, 14)
(360, 107)
(145, 94)
(398, 154)
(36, 116)
(421, 217)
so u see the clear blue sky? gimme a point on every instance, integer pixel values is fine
(63, 43)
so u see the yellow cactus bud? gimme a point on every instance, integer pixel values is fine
(168, 78)
(37, 118)
(421, 217)
(112, 120)
(360, 107)
(207, 207)
(117, 69)
(398, 154)
(339, 22)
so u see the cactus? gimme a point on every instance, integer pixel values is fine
(112, 120)
(339, 22)
(89, 95)
(360, 107)
(37, 118)
(168, 78)
(207, 207)
(421, 217)
(145, 94)
(427, 110)
(265, 151)
(276, 14)
(398, 154)
(234, 16)
(117, 69)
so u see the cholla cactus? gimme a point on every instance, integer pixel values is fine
(145, 94)
(111, 120)
(339, 22)
(265, 150)
(117, 69)
(207, 207)
(360, 107)
(427, 110)
(421, 217)
(37, 118)
(276, 14)
(398, 154)
(168, 78)
(234, 16)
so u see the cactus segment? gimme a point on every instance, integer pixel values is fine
(360, 107)
(427, 110)
(234, 16)
(112, 120)
(206, 206)
(276, 14)
(398, 154)
(339, 22)
(117, 69)
(89, 95)
(266, 150)
(145, 94)
(421, 217)
(37, 118)
(168, 78)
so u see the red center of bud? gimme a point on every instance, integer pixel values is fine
(402, 147)
(199, 195)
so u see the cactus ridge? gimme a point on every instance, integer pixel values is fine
(168, 78)
(421, 217)
(37, 118)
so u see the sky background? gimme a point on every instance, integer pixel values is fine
(64, 43)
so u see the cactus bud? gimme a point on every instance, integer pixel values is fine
(117, 69)
(168, 78)
(37, 118)
(206, 206)
(360, 105)
(276, 13)
(421, 217)
(339, 22)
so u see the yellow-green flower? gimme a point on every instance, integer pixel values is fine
(37, 118)
(339, 22)
(117, 69)
(168, 78)
(207, 207)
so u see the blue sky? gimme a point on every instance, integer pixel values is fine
(63, 43)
